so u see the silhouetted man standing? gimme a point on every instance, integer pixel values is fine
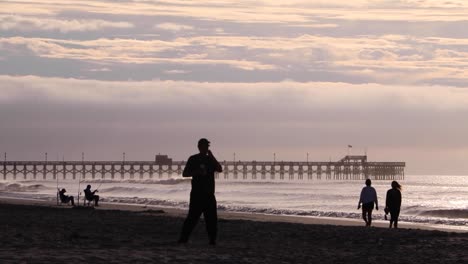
(202, 167)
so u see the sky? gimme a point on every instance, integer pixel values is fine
(257, 78)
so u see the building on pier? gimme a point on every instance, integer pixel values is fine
(163, 160)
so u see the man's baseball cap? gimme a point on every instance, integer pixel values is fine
(203, 141)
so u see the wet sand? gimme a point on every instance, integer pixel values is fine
(42, 233)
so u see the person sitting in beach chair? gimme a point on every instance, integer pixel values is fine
(90, 195)
(66, 198)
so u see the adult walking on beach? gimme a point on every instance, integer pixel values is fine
(393, 203)
(202, 167)
(367, 199)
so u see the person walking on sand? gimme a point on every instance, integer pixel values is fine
(367, 199)
(202, 167)
(393, 203)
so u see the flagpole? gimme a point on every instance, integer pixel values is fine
(349, 147)
(81, 174)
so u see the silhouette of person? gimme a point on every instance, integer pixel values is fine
(393, 203)
(90, 195)
(202, 167)
(367, 199)
(66, 198)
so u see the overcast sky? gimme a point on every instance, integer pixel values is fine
(254, 77)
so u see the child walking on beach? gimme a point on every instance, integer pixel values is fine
(367, 199)
(393, 203)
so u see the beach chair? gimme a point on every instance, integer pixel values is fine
(88, 200)
(59, 200)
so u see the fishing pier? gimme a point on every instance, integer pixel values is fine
(347, 168)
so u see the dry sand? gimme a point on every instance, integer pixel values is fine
(42, 233)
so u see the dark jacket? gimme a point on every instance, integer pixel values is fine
(202, 169)
(89, 194)
(63, 197)
(393, 201)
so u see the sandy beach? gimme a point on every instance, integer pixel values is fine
(38, 232)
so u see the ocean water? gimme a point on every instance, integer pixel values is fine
(433, 200)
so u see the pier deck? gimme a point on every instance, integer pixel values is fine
(348, 168)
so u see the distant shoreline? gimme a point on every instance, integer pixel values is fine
(230, 215)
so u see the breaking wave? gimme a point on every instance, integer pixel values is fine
(311, 199)
(450, 213)
(17, 187)
(430, 217)
(170, 181)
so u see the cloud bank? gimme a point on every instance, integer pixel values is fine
(105, 118)
(23, 23)
(256, 77)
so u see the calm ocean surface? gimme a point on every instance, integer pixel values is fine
(432, 200)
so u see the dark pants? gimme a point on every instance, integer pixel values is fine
(367, 212)
(394, 214)
(201, 203)
(94, 198)
(68, 199)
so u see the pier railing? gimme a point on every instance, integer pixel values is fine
(345, 169)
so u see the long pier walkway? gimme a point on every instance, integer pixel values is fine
(348, 168)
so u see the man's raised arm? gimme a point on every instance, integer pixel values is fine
(218, 167)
